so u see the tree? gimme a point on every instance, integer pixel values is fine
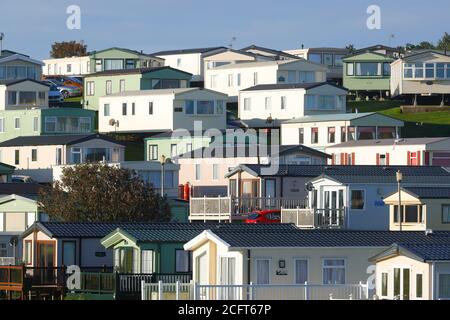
(350, 48)
(444, 43)
(102, 193)
(421, 45)
(68, 49)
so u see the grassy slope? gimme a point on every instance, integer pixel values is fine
(392, 108)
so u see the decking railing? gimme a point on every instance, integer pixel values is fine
(314, 218)
(232, 208)
(192, 291)
(7, 261)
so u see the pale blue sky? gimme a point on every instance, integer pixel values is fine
(31, 26)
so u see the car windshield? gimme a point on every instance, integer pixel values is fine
(253, 216)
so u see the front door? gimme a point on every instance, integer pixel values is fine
(333, 205)
(270, 192)
(46, 262)
(402, 283)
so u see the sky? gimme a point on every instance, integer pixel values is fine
(31, 26)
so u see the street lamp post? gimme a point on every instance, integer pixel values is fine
(399, 177)
(163, 162)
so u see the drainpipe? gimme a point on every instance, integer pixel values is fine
(248, 266)
(433, 266)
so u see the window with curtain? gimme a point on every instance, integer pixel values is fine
(220, 106)
(292, 76)
(310, 101)
(384, 284)
(108, 87)
(333, 271)
(28, 252)
(189, 106)
(69, 251)
(444, 286)
(368, 69)
(366, 133)
(197, 172)
(419, 285)
(446, 213)
(182, 261)
(328, 59)
(357, 199)
(268, 103)
(76, 155)
(263, 271)
(350, 69)
(153, 152)
(27, 97)
(146, 261)
(12, 98)
(301, 271)
(35, 124)
(205, 107)
(247, 104)
(326, 102)
(122, 85)
(307, 76)
(113, 64)
(106, 111)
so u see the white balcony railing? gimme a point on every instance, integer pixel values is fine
(314, 218)
(194, 291)
(232, 208)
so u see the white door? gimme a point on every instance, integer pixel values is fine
(333, 207)
(402, 283)
(202, 275)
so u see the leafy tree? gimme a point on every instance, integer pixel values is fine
(350, 48)
(102, 193)
(421, 45)
(444, 43)
(68, 49)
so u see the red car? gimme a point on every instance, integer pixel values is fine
(264, 216)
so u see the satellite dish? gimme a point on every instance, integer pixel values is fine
(112, 122)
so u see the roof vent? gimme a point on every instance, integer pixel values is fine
(428, 232)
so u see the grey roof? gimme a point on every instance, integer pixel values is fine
(286, 86)
(357, 174)
(132, 71)
(174, 133)
(186, 51)
(418, 250)
(136, 52)
(249, 151)
(31, 189)
(7, 53)
(330, 117)
(49, 140)
(429, 252)
(389, 142)
(15, 81)
(271, 51)
(327, 238)
(430, 192)
(145, 231)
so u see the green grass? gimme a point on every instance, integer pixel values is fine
(373, 106)
(437, 117)
(392, 108)
(74, 99)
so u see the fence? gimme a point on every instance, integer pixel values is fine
(167, 291)
(229, 208)
(191, 291)
(7, 261)
(314, 218)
